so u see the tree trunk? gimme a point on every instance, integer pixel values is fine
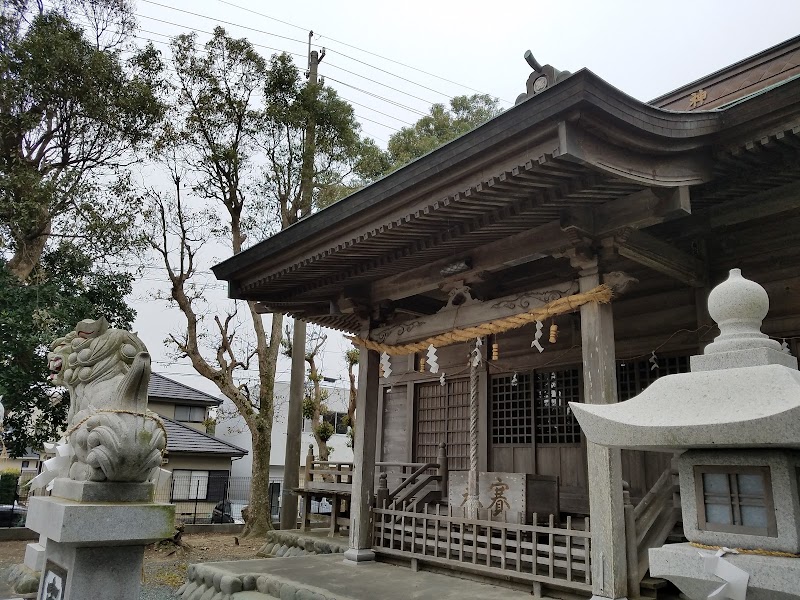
(259, 520)
(28, 252)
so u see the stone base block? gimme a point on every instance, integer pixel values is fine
(80, 573)
(92, 491)
(34, 556)
(354, 556)
(771, 578)
(96, 524)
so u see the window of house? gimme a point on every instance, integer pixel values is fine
(735, 500)
(553, 391)
(26, 464)
(208, 486)
(190, 414)
(337, 419)
(512, 409)
(633, 376)
(443, 416)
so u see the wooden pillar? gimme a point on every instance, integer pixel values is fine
(606, 507)
(364, 459)
(294, 428)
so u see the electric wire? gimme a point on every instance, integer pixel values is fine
(397, 62)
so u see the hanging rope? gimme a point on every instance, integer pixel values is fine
(473, 504)
(757, 551)
(601, 294)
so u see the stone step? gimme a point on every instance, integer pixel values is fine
(326, 577)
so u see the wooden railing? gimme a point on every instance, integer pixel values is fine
(326, 475)
(415, 484)
(542, 554)
(648, 524)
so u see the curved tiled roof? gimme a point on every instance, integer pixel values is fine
(182, 438)
(167, 389)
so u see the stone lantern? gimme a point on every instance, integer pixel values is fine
(735, 419)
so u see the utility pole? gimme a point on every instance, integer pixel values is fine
(294, 421)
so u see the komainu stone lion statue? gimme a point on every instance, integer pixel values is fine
(110, 431)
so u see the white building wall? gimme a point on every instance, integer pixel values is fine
(234, 431)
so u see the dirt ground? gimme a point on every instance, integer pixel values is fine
(165, 564)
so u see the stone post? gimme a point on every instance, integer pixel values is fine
(364, 459)
(606, 508)
(96, 535)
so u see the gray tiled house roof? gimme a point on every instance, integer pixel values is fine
(163, 388)
(184, 439)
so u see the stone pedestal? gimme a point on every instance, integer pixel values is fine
(770, 577)
(34, 554)
(95, 548)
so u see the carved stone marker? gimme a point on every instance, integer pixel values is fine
(101, 513)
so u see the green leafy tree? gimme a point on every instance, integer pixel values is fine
(343, 161)
(71, 114)
(439, 127)
(63, 288)
(234, 145)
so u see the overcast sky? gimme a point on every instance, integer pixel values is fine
(393, 59)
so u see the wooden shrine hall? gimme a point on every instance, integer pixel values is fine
(562, 251)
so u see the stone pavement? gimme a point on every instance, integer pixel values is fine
(327, 577)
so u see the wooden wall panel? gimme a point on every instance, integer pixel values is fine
(502, 459)
(396, 436)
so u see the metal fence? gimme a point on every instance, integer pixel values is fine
(204, 497)
(200, 497)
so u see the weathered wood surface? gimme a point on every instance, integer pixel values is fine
(468, 315)
(549, 554)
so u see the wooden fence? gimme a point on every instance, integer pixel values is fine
(542, 554)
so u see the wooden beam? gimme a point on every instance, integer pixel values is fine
(763, 204)
(469, 314)
(660, 256)
(517, 249)
(642, 209)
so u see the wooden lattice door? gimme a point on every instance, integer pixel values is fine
(443, 416)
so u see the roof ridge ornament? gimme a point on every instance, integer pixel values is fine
(541, 78)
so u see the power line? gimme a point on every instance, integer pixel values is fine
(344, 98)
(394, 89)
(397, 62)
(377, 96)
(188, 12)
(211, 33)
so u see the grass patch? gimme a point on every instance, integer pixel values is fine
(173, 576)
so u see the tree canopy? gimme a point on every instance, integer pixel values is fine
(61, 290)
(441, 125)
(71, 113)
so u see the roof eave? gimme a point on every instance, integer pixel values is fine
(582, 90)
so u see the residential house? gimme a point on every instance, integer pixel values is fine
(201, 464)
